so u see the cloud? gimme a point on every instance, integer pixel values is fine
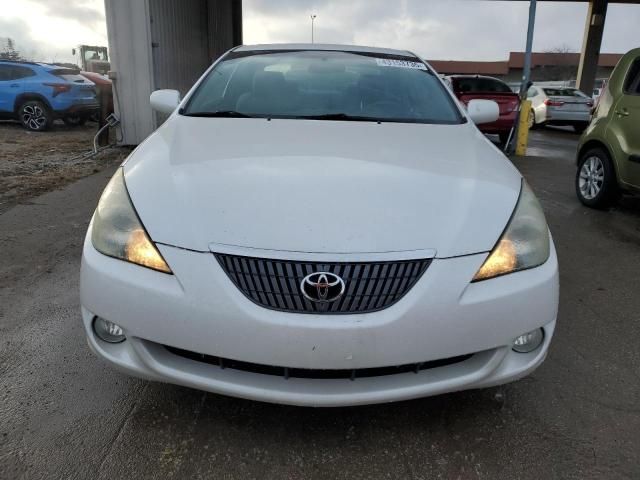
(85, 12)
(434, 29)
(48, 30)
(18, 31)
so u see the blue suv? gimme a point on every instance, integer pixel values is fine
(37, 93)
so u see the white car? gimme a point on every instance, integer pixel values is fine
(320, 225)
(559, 106)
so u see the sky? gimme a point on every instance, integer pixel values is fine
(47, 30)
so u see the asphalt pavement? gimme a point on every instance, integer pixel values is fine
(65, 414)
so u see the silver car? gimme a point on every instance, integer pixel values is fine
(559, 106)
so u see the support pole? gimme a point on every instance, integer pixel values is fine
(521, 147)
(105, 98)
(593, 30)
(313, 18)
(526, 71)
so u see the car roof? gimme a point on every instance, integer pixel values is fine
(54, 66)
(554, 87)
(17, 62)
(475, 76)
(45, 66)
(323, 46)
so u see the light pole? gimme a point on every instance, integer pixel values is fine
(313, 17)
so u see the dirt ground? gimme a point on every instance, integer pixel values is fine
(32, 163)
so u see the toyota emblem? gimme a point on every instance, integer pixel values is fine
(322, 287)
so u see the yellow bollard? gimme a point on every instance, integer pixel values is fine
(523, 128)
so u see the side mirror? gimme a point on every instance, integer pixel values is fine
(165, 101)
(483, 111)
(73, 52)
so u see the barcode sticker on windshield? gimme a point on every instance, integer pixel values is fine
(389, 62)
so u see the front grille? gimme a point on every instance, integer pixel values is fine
(318, 374)
(275, 284)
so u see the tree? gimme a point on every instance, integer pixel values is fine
(561, 65)
(9, 51)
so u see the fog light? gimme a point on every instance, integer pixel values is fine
(529, 341)
(108, 331)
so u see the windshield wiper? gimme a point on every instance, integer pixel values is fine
(221, 114)
(327, 116)
(340, 116)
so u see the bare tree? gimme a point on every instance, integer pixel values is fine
(8, 51)
(560, 65)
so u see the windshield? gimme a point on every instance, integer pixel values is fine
(96, 54)
(323, 85)
(480, 85)
(564, 92)
(68, 74)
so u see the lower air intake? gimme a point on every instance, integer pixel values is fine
(319, 374)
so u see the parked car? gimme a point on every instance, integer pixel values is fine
(596, 94)
(470, 87)
(37, 93)
(609, 151)
(104, 91)
(320, 225)
(559, 106)
(596, 99)
(514, 86)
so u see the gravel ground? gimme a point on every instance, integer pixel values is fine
(32, 163)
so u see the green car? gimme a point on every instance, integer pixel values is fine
(609, 150)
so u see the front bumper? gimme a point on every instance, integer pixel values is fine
(198, 309)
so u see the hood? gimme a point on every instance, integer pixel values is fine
(321, 186)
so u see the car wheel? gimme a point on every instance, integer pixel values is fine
(596, 179)
(504, 138)
(580, 127)
(532, 120)
(34, 115)
(74, 120)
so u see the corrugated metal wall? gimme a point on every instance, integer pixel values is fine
(158, 44)
(187, 36)
(225, 26)
(179, 41)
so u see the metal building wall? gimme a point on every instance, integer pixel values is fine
(225, 26)
(180, 43)
(131, 67)
(157, 44)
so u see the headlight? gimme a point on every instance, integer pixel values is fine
(525, 242)
(118, 232)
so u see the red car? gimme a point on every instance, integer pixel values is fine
(470, 87)
(105, 88)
